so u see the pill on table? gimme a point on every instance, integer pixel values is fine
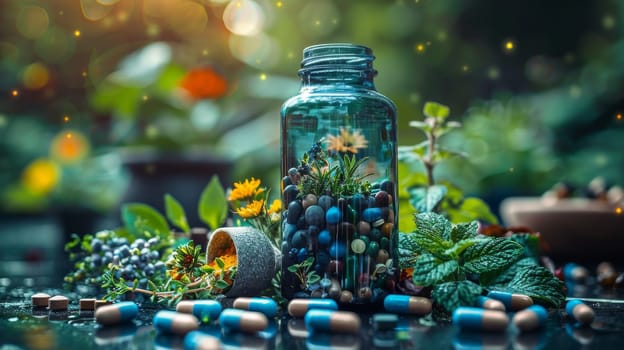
(168, 321)
(242, 320)
(531, 318)
(332, 321)
(477, 319)
(299, 307)
(58, 302)
(112, 314)
(489, 303)
(87, 304)
(40, 299)
(204, 310)
(512, 302)
(580, 311)
(574, 273)
(385, 322)
(266, 306)
(196, 340)
(405, 304)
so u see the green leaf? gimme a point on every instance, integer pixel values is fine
(429, 270)
(471, 209)
(313, 277)
(175, 213)
(491, 254)
(529, 241)
(220, 263)
(408, 250)
(436, 110)
(502, 277)
(451, 295)
(292, 268)
(430, 231)
(221, 284)
(213, 205)
(456, 250)
(139, 218)
(425, 199)
(538, 283)
(169, 78)
(464, 231)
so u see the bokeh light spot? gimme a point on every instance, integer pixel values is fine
(493, 73)
(618, 211)
(465, 68)
(263, 76)
(279, 4)
(35, 76)
(420, 48)
(312, 18)
(442, 36)
(55, 46)
(509, 46)
(77, 33)
(257, 51)
(575, 91)
(14, 92)
(608, 22)
(41, 176)
(94, 10)
(69, 147)
(66, 118)
(32, 21)
(244, 17)
(618, 116)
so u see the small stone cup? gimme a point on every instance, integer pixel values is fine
(256, 258)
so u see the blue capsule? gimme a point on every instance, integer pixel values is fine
(477, 319)
(324, 237)
(204, 310)
(531, 318)
(489, 303)
(373, 215)
(512, 302)
(580, 312)
(197, 340)
(167, 321)
(332, 321)
(574, 273)
(299, 307)
(405, 304)
(333, 216)
(266, 306)
(116, 313)
(242, 320)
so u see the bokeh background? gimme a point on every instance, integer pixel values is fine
(108, 101)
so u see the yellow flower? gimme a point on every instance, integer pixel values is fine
(245, 190)
(275, 207)
(346, 141)
(251, 210)
(41, 176)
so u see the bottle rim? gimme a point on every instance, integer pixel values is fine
(338, 57)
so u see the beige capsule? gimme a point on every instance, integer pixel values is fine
(58, 302)
(40, 299)
(87, 304)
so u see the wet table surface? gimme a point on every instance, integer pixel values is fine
(22, 327)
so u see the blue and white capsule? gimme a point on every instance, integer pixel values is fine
(299, 307)
(580, 312)
(266, 306)
(122, 312)
(512, 301)
(197, 340)
(489, 303)
(319, 320)
(532, 318)
(204, 310)
(575, 273)
(172, 322)
(243, 321)
(406, 304)
(477, 319)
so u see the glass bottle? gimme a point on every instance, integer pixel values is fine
(339, 161)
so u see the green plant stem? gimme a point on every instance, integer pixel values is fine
(428, 161)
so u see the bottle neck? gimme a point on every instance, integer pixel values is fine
(338, 64)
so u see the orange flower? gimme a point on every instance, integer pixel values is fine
(245, 190)
(204, 83)
(346, 141)
(252, 209)
(275, 207)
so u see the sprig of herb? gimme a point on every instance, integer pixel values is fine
(303, 273)
(451, 258)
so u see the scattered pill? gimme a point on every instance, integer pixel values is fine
(58, 302)
(167, 321)
(385, 322)
(204, 310)
(299, 307)
(574, 273)
(606, 274)
(477, 319)
(196, 340)
(512, 302)
(489, 303)
(405, 304)
(531, 318)
(332, 321)
(40, 299)
(87, 304)
(580, 312)
(116, 313)
(266, 306)
(242, 320)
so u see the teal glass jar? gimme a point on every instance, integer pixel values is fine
(339, 161)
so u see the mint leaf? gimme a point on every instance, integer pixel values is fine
(529, 241)
(431, 228)
(175, 213)
(538, 283)
(429, 270)
(436, 110)
(213, 205)
(408, 250)
(141, 219)
(425, 199)
(464, 231)
(451, 295)
(456, 250)
(491, 254)
(502, 277)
